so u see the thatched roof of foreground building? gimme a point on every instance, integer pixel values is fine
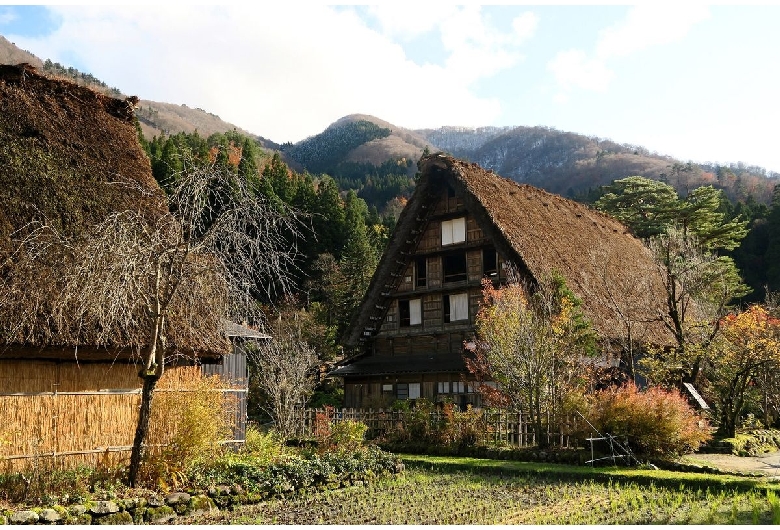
(70, 156)
(607, 268)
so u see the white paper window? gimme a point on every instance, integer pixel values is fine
(459, 307)
(458, 387)
(414, 390)
(415, 312)
(387, 388)
(443, 388)
(453, 231)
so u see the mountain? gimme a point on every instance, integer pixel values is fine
(359, 148)
(357, 139)
(573, 164)
(366, 153)
(561, 162)
(157, 119)
(11, 54)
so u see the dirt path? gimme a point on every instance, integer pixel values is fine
(767, 464)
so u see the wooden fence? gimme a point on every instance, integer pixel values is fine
(497, 427)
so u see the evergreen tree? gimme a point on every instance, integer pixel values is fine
(773, 244)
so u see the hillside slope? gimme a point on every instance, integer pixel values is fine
(572, 164)
(12, 54)
(356, 139)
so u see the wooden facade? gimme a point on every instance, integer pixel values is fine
(464, 224)
(417, 349)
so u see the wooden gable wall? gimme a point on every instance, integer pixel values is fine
(433, 335)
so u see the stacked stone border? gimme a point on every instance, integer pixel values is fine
(161, 509)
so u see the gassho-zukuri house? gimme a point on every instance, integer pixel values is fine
(462, 224)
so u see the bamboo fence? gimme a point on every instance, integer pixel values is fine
(88, 414)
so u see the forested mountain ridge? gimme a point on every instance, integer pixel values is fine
(574, 164)
(358, 139)
(378, 159)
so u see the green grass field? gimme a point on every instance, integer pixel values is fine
(443, 490)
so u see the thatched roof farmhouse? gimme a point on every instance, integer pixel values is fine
(70, 156)
(462, 224)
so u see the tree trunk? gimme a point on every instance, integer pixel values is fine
(141, 430)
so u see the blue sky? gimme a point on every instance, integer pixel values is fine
(692, 81)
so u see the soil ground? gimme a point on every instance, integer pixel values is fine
(767, 464)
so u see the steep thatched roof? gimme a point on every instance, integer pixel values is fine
(69, 155)
(610, 270)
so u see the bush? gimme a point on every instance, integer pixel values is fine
(347, 435)
(267, 446)
(294, 472)
(203, 420)
(656, 422)
(424, 425)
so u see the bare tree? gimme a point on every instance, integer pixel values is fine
(284, 369)
(626, 301)
(163, 286)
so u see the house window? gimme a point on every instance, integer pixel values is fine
(458, 387)
(455, 267)
(387, 388)
(410, 312)
(453, 231)
(402, 391)
(489, 261)
(456, 307)
(414, 390)
(443, 387)
(421, 270)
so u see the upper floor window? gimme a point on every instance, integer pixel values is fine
(489, 262)
(421, 271)
(410, 312)
(456, 307)
(453, 231)
(455, 267)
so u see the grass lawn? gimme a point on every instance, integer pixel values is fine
(447, 490)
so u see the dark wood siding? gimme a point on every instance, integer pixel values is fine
(232, 369)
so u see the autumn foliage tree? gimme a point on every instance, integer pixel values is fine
(530, 342)
(748, 348)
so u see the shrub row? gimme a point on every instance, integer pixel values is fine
(233, 479)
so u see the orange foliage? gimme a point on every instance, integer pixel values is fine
(656, 422)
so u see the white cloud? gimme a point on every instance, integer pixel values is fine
(6, 16)
(649, 25)
(477, 49)
(573, 68)
(645, 26)
(271, 69)
(396, 20)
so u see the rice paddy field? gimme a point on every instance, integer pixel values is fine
(466, 491)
